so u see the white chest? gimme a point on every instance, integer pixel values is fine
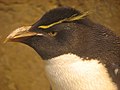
(69, 72)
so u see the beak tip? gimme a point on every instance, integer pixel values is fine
(6, 40)
(12, 36)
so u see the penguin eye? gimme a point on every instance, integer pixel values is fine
(53, 33)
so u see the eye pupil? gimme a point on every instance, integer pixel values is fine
(53, 32)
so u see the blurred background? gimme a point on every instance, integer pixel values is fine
(20, 66)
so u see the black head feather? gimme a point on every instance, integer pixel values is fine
(82, 37)
(55, 15)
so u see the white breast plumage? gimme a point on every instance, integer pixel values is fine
(70, 72)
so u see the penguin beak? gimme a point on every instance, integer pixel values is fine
(20, 34)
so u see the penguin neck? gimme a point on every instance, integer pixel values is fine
(70, 72)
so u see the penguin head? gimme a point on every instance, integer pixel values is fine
(65, 30)
(56, 33)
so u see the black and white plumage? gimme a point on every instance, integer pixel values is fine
(78, 54)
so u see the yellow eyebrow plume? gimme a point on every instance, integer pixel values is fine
(50, 25)
(72, 18)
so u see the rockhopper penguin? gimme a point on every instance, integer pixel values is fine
(78, 53)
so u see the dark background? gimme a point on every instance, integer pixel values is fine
(20, 66)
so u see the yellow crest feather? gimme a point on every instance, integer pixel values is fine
(72, 18)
